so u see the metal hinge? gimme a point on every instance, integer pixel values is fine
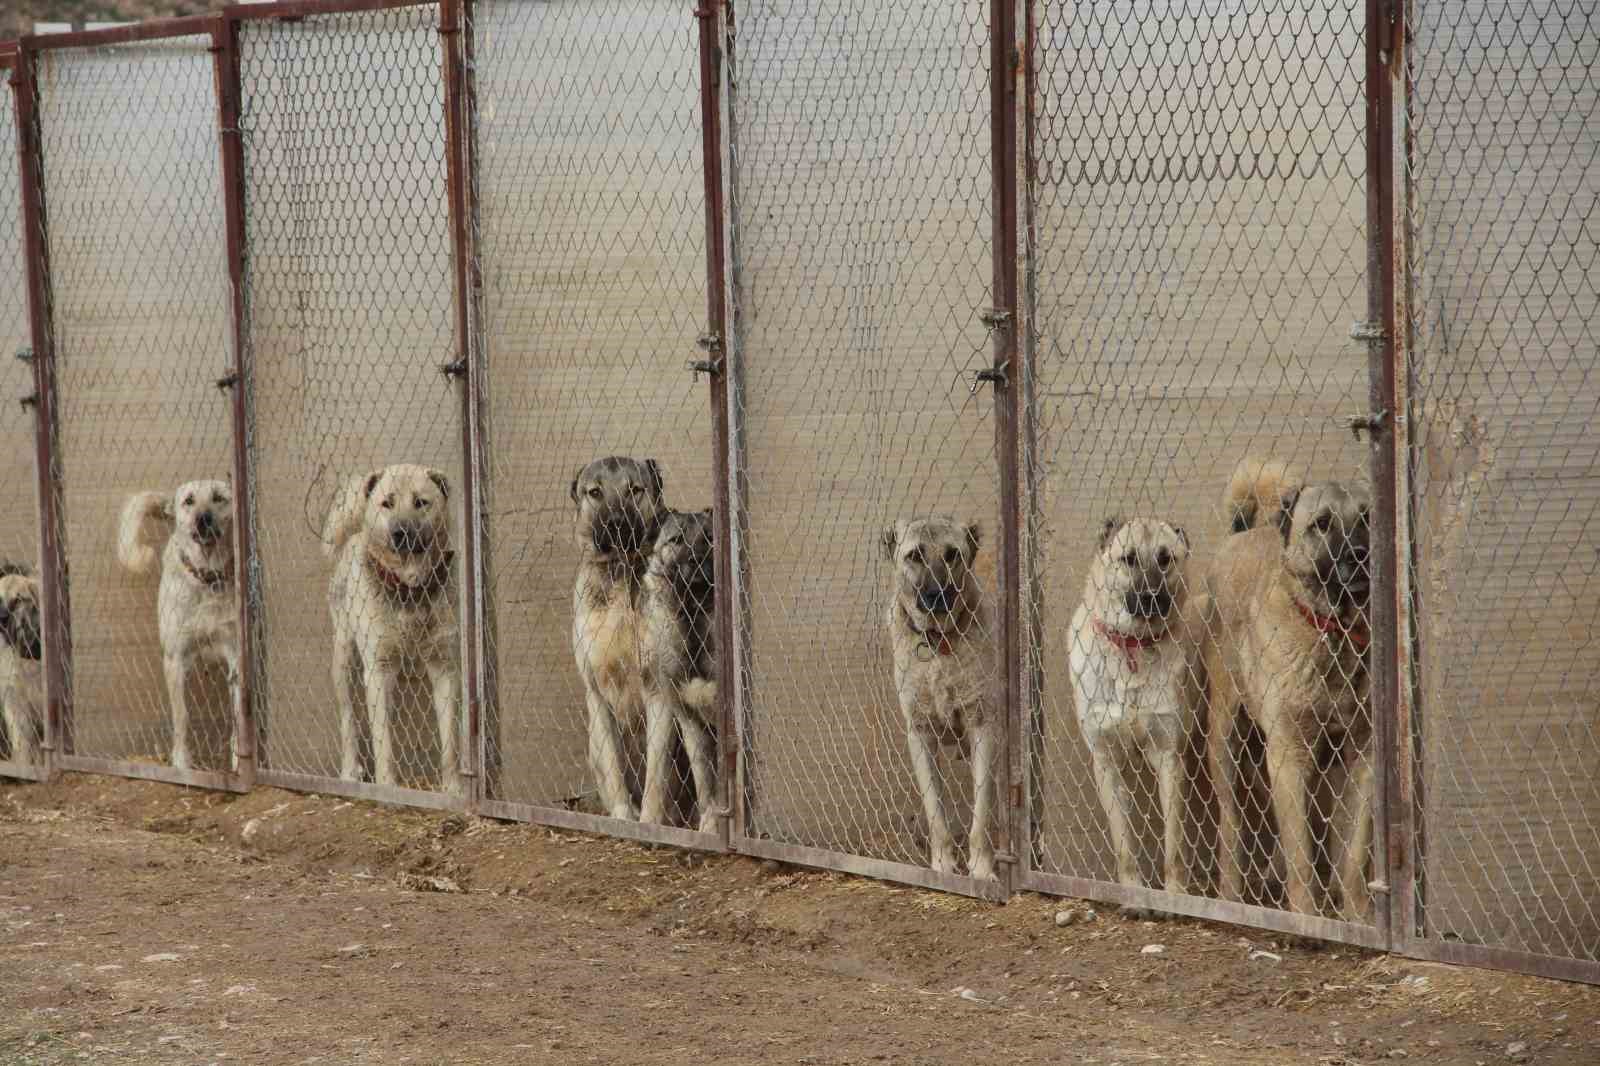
(29, 400)
(995, 318)
(1368, 331)
(25, 354)
(704, 366)
(1358, 424)
(228, 382)
(453, 370)
(995, 376)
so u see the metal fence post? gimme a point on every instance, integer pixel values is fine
(715, 342)
(1390, 842)
(454, 32)
(55, 608)
(225, 51)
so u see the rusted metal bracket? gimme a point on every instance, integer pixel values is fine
(995, 318)
(454, 370)
(1368, 331)
(25, 354)
(228, 381)
(1371, 424)
(995, 375)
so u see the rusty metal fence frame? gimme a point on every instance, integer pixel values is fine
(1399, 923)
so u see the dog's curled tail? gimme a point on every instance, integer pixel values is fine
(699, 694)
(1256, 491)
(345, 516)
(146, 521)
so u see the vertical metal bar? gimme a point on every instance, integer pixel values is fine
(56, 608)
(708, 15)
(1389, 838)
(451, 24)
(1005, 71)
(225, 53)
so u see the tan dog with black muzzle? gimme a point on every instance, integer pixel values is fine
(1286, 643)
(944, 675)
(197, 607)
(619, 510)
(393, 601)
(21, 655)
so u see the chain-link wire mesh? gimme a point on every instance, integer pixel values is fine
(1198, 186)
(130, 166)
(862, 197)
(1506, 468)
(355, 430)
(21, 680)
(591, 244)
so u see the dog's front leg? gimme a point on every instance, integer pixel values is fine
(20, 726)
(1354, 896)
(1289, 769)
(343, 682)
(1168, 765)
(446, 707)
(1115, 799)
(921, 745)
(1225, 783)
(379, 679)
(230, 659)
(980, 845)
(605, 758)
(174, 664)
(659, 720)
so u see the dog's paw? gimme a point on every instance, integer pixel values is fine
(708, 823)
(943, 862)
(180, 759)
(983, 869)
(625, 811)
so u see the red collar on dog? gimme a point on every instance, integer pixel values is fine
(934, 640)
(1130, 645)
(409, 593)
(211, 579)
(1329, 625)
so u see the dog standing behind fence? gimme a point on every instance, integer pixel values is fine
(21, 649)
(197, 606)
(394, 611)
(678, 663)
(1135, 682)
(944, 676)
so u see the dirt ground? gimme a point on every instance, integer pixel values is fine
(149, 923)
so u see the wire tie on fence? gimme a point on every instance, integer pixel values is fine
(25, 354)
(29, 400)
(228, 382)
(995, 318)
(453, 370)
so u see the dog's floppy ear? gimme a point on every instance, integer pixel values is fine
(441, 481)
(889, 540)
(1285, 516)
(573, 491)
(1183, 536)
(652, 470)
(1244, 516)
(372, 483)
(974, 534)
(1109, 530)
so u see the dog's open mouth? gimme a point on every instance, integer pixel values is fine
(1149, 604)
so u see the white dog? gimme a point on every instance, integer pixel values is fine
(21, 648)
(394, 610)
(197, 607)
(1133, 680)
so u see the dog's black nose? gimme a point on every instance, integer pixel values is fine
(1148, 604)
(936, 598)
(405, 540)
(205, 525)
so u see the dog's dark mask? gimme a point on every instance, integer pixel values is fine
(19, 626)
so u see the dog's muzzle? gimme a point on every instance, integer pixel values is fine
(22, 633)
(408, 540)
(619, 534)
(206, 529)
(1348, 577)
(1147, 603)
(938, 599)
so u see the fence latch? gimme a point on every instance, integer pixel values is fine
(1368, 331)
(703, 366)
(451, 371)
(995, 375)
(1372, 423)
(995, 318)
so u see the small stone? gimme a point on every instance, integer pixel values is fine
(1153, 949)
(1065, 918)
(1398, 1053)
(1268, 955)
(162, 956)
(352, 949)
(251, 830)
(1516, 1049)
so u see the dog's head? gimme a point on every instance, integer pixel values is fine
(202, 513)
(619, 507)
(683, 552)
(19, 615)
(934, 580)
(1136, 583)
(1327, 534)
(407, 520)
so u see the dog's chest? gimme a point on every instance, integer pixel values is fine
(607, 638)
(950, 691)
(1129, 691)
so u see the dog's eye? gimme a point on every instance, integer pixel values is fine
(637, 490)
(1163, 558)
(916, 556)
(1324, 522)
(951, 555)
(217, 498)
(388, 503)
(595, 493)
(418, 502)
(188, 501)
(1132, 558)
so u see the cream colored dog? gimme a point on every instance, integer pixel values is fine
(944, 663)
(1286, 642)
(21, 652)
(1134, 680)
(393, 603)
(197, 607)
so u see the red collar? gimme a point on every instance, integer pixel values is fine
(1329, 625)
(211, 579)
(935, 640)
(1127, 642)
(407, 592)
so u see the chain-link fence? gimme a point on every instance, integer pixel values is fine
(590, 195)
(1082, 585)
(1506, 491)
(862, 189)
(356, 433)
(22, 705)
(1198, 199)
(129, 163)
